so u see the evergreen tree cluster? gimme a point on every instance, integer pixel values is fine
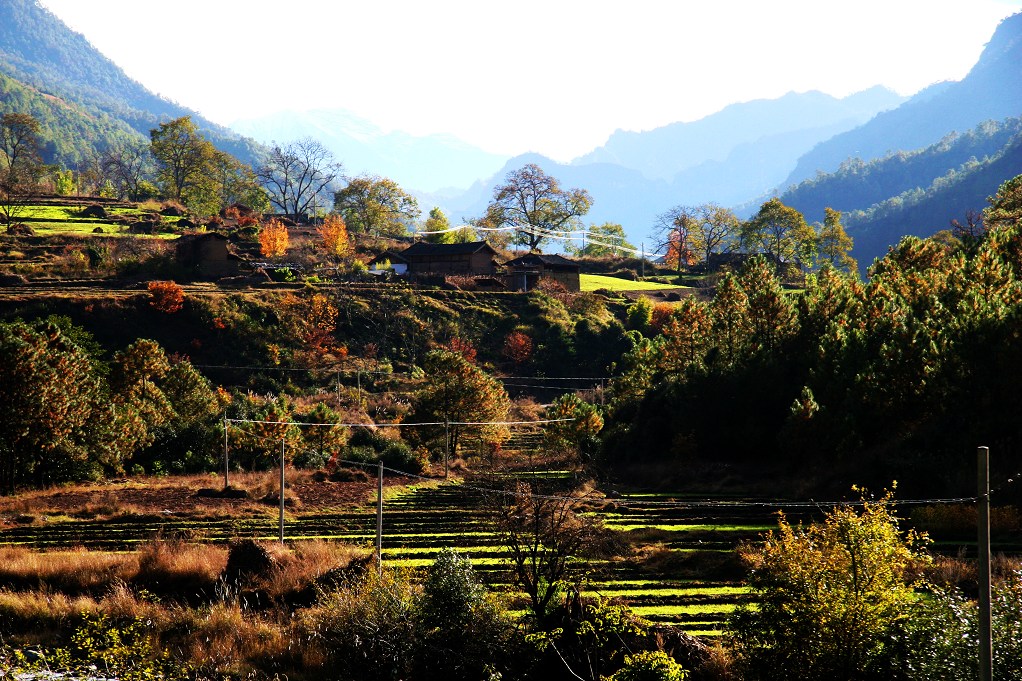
(905, 374)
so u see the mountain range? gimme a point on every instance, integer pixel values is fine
(52, 71)
(425, 163)
(894, 166)
(936, 157)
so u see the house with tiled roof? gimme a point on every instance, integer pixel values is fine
(469, 259)
(525, 272)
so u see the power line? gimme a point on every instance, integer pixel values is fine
(692, 503)
(388, 373)
(399, 425)
(308, 370)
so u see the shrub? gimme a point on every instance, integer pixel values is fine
(102, 648)
(832, 597)
(368, 446)
(943, 635)
(363, 630)
(166, 296)
(518, 347)
(311, 459)
(650, 665)
(460, 632)
(640, 315)
(400, 456)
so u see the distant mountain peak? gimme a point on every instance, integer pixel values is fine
(665, 151)
(992, 90)
(426, 163)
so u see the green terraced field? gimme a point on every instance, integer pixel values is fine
(593, 282)
(420, 521)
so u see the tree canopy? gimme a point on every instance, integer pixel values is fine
(458, 391)
(184, 161)
(376, 205)
(603, 240)
(535, 205)
(782, 234)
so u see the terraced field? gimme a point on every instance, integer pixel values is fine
(676, 559)
(687, 577)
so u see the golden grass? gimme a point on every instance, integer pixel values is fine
(222, 636)
(179, 565)
(126, 498)
(166, 567)
(75, 571)
(962, 518)
(302, 565)
(946, 571)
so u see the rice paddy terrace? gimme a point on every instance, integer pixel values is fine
(677, 561)
(686, 574)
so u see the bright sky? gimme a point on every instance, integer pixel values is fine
(552, 76)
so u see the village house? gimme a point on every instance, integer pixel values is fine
(388, 261)
(475, 258)
(206, 256)
(525, 272)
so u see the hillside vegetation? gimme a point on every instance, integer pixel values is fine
(915, 193)
(46, 67)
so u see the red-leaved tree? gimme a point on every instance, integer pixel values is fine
(166, 296)
(518, 347)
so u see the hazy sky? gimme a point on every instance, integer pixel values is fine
(553, 76)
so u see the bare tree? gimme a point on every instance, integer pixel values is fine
(543, 536)
(297, 173)
(689, 234)
(20, 163)
(127, 166)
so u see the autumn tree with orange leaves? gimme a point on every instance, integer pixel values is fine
(462, 347)
(312, 320)
(273, 239)
(518, 347)
(166, 296)
(333, 235)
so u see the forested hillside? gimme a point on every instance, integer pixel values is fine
(73, 134)
(858, 184)
(951, 198)
(991, 91)
(914, 193)
(890, 379)
(40, 51)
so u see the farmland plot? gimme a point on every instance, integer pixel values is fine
(679, 567)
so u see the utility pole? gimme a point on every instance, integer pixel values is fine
(227, 467)
(379, 520)
(983, 549)
(642, 261)
(447, 449)
(281, 491)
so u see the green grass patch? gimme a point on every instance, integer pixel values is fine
(673, 592)
(592, 282)
(676, 610)
(623, 526)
